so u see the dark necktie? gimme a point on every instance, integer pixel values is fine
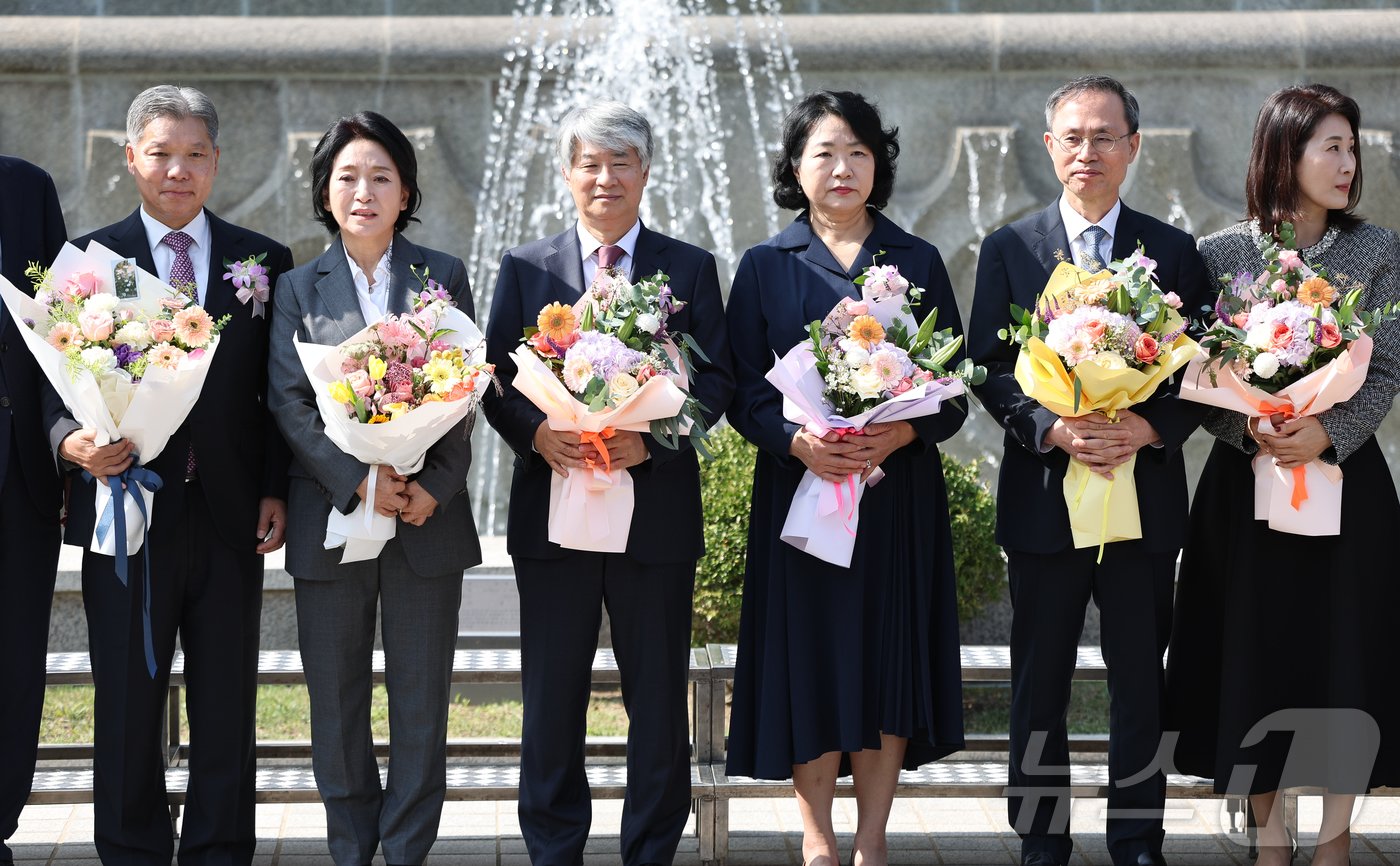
(609, 255)
(182, 277)
(1093, 237)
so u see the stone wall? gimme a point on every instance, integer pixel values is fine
(966, 90)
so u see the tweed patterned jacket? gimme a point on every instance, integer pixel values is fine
(1368, 256)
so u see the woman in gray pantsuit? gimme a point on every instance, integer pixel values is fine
(364, 190)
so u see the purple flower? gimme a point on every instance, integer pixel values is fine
(125, 354)
(606, 355)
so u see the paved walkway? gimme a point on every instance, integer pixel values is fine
(958, 832)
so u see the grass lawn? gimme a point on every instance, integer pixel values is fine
(284, 713)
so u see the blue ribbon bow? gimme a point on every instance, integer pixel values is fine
(114, 516)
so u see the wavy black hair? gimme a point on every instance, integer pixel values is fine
(864, 120)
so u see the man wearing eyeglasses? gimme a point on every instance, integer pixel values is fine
(1092, 137)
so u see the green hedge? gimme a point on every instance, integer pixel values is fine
(726, 484)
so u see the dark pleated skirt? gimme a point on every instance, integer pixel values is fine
(829, 657)
(1282, 669)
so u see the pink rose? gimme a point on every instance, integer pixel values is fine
(1240, 319)
(902, 385)
(1173, 300)
(541, 345)
(1329, 337)
(1281, 337)
(1147, 349)
(350, 365)
(1279, 287)
(360, 383)
(857, 308)
(1289, 260)
(1094, 329)
(162, 330)
(95, 326)
(82, 285)
(645, 373)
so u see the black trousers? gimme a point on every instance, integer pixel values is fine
(211, 596)
(649, 607)
(1049, 595)
(28, 563)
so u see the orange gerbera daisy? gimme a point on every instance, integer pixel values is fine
(557, 322)
(866, 330)
(1316, 291)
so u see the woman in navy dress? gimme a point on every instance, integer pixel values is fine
(841, 670)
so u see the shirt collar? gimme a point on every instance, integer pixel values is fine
(1075, 223)
(588, 244)
(197, 228)
(381, 270)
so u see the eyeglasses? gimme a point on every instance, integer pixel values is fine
(1101, 143)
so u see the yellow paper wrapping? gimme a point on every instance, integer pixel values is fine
(1100, 511)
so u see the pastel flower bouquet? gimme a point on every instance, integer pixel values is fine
(389, 393)
(607, 363)
(869, 361)
(1100, 342)
(130, 367)
(1288, 343)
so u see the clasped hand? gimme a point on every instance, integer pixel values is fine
(564, 450)
(1101, 444)
(834, 457)
(396, 496)
(1296, 443)
(81, 449)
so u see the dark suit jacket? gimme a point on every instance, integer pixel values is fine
(317, 303)
(551, 269)
(31, 230)
(1013, 267)
(242, 457)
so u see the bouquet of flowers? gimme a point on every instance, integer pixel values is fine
(608, 363)
(389, 393)
(1287, 343)
(869, 361)
(1100, 343)
(128, 355)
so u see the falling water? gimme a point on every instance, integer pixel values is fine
(658, 56)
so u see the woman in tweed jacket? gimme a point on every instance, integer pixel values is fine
(1278, 673)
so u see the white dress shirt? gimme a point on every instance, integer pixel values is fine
(1075, 224)
(198, 229)
(588, 248)
(373, 295)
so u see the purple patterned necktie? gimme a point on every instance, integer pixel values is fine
(182, 277)
(609, 255)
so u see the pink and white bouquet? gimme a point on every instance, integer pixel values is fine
(1288, 343)
(129, 366)
(609, 362)
(389, 393)
(869, 361)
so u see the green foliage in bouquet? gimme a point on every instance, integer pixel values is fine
(726, 487)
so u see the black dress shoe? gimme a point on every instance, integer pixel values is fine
(1037, 858)
(1147, 858)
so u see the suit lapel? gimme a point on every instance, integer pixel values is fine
(1125, 238)
(1052, 239)
(402, 281)
(128, 238)
(336, 288)
(651, 255)
(225, 244)
(565, 266)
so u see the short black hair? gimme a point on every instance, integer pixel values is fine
(371, 126)
(864, 120)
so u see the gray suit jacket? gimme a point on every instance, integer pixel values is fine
(316, 303)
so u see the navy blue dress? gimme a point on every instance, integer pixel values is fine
(831, 657)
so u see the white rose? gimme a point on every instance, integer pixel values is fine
(98, 359)
(867, 383)
(856, 354)
(133, 334)
(649, 322)
(100, 303)
(1261, 336)
(1109, 361)
(621, 386)
(1265, 365)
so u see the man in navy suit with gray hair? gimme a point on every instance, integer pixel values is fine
(605, 152)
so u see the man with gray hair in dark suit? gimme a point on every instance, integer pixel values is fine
(605, 155)
(221, 506)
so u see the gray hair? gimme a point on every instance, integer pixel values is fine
(610, 125)
(1092, 84)
(177, 103)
